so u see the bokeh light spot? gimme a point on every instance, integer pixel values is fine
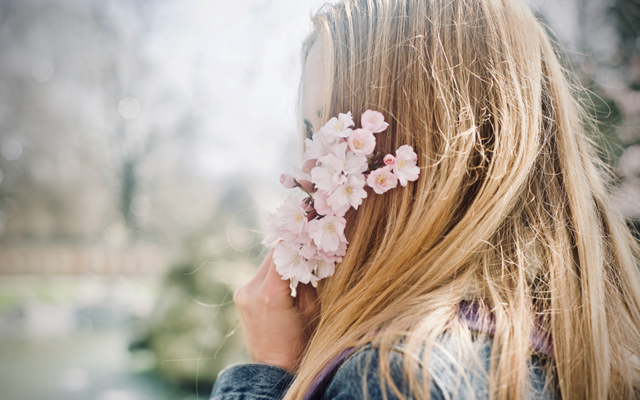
(42, 71)
(11, 149)
(129, 108)
(74, 379)
(140, 206)
(118, 395)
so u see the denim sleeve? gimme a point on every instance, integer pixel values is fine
(359, 378)
(251, 382)
(452, 375)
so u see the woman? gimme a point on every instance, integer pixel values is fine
(501, 272)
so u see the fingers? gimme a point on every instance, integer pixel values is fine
(275, 326)
(248, 289)
(265, 287)
(276, 287)
(264, 267)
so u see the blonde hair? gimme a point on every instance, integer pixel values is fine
(510, 210)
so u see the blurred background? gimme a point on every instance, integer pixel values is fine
(140, 142)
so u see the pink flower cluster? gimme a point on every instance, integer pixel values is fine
(338, 163)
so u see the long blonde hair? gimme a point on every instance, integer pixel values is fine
(510, 210)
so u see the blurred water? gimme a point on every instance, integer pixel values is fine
(69, 338)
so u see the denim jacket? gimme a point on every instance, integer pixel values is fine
(452, 377)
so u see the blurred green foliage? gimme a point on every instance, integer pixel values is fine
(194, 329)
(626, 14)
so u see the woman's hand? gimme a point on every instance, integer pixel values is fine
(276, 326)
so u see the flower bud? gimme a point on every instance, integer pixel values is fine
(288, 181)
(306, 205)
(389, 160)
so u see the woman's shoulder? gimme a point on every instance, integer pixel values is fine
(455, 372)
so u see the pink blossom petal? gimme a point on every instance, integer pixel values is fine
(327, 233)
(323, 208)
(309, 249)
(328, 172)
(290, 264)
(405, 168)
(382, 179)
(308, 165)
(308, 186)
(316, 146)
(362, 141)
(337, 128)
(324, 268)
(304, 173)
(350, 193)
(373, 121)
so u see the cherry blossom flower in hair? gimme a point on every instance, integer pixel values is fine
(321, 205)
(291, 218)
(339, 163)
(405, 167)
(349, 193)
(328, 174)
(324, 268)
(338, 127)
(373, 121)
(291, 265)
(328, 232)
(317, 146)
(362, 141)
(382, 179)
(353, 163)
